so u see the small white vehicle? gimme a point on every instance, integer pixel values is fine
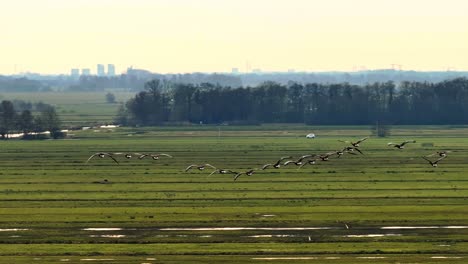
(311, 135)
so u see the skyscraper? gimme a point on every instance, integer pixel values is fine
(100, 70)
(75, 73)
(110, 70)
(85, 71)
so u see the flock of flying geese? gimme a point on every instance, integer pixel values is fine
(302, 161)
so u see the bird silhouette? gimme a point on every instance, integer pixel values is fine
(401, 145)
(277, 164)
(308, 162)
(354, 144)
(248, 173)
(442, 153)
(102, 155)
(153, 156)
(434, 163)
(199, 167)
(297, 162)
(222, 171)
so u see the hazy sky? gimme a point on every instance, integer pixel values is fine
(52, 36)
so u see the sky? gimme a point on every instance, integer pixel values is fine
(179, 36)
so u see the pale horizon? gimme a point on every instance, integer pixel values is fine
(181, 36)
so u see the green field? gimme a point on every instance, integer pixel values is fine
(399, 208)
(76, 108)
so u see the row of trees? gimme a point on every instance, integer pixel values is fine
(41, 118)
(325, 104)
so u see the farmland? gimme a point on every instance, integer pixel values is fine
(398, 208)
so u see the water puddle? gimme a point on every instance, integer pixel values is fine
(92, 259)
(102, 229)
(268, 236)
(286, 258)
(243, 228)
(371, 257)
(424, 227)
(13, 229)
(109, 236)
(373, 235)
(150, 259)
(268, 215)
(442, 257)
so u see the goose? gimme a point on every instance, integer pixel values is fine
(126, 155)
(102, 155)
(434, 163)
(199, 167)
(351, 150)
(354, 144)
(440, 153)
(222, 171)
(309, 162)
(248, 173)
(297, 162)
(277, 164)
(153, 156)
(402, 145)
(326, 156)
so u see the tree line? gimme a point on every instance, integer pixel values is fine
(444, 102)
(23, 117)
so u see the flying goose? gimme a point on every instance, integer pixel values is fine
(299, 161)
(402, 145)
(440, 153)
(153, 156)
(222, 171)
(277, 164)
(310, 162)
(199, 167)
(351, 150)
(102, 155)
(126, 155)
(248, 173)
(434, 163)
(354, 144)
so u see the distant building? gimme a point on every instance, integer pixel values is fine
(139, 73)
(235, 71)
(100, 70)
(85, 71)
(75, 73)
(110, 70)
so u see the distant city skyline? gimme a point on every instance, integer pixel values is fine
(183, 36)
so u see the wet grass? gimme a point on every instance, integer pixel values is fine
(47, 188)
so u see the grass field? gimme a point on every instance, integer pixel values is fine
(399, 208)
(76, 108)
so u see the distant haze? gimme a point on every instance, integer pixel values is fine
(53, 36)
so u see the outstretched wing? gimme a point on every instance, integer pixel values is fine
(361, 140)
(428, 160)
(304, 157)
(238, 175)
(190, 167)
(391, 144)
(92, 156)
(441, 158)
(266, 166)
(408, 141)
(209, 165)
(164, 154)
